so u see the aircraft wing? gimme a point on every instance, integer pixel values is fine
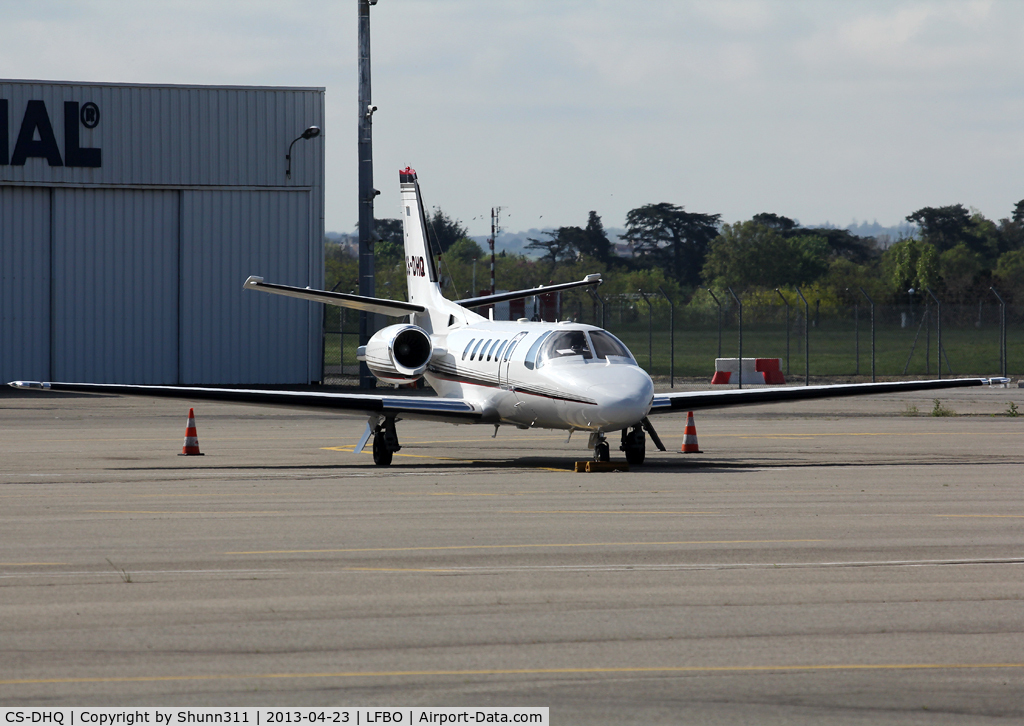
(693, 400)
(395, 308)
(431, 408)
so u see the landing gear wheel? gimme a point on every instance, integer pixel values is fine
(382, 455)
(634, 443)
(602, 451)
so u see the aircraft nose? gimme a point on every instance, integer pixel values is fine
(623, 396)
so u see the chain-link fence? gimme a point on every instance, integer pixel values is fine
(815, 342)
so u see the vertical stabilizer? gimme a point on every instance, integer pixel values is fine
(421, 273)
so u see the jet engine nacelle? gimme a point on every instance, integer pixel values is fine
(397, 354)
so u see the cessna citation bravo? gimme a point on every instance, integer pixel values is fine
(561, 375)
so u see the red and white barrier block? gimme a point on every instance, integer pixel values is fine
(755, 370)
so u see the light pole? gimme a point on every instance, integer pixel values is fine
(366, 191)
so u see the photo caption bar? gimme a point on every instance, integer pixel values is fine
(357, 716)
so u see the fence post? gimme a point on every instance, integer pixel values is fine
(872, 303)
(740, 305)
(1002, 330)
(856, 337)
(807, 342)
(719, 320)
(650, 332)
(600, 300)
(938, 332)
(671, 338)
(786, 303)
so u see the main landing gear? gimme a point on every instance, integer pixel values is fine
(634, 444)
(385, 442)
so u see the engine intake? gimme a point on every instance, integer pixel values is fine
(398, 353)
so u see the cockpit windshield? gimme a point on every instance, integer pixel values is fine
(606, 344)
(563, 344)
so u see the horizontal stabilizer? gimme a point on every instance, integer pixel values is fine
(356, 302)
(475, 302)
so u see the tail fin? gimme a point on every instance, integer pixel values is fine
(421, 273)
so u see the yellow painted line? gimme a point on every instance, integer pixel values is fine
(522, 672)
(146, 511)
(525, 546)
(993, 516)
(596, 511)
(32, 564)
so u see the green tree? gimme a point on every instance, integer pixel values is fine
(443, 231)
(910, 263)
(946, 227)
(559, 247)
(667, 235)
(749, 255)
(1009, 275)
(594, 241)
(464, 250)
(960, 268)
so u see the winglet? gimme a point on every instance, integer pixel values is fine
(252, 282)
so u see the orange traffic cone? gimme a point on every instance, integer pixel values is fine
(191, 447)
(690, 436)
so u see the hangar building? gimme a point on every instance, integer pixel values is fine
(131, 215)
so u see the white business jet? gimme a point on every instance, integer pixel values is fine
(562, 375)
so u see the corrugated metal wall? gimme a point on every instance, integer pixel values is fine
(24, 283)
(115, 294)
(231, 335)
(132, 271)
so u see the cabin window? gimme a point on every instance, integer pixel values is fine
(513, 344)
(531, 354)
(497, 353)
(491, 349)
(606, 344)
(564, 344)
(466, 351)
(472, 356)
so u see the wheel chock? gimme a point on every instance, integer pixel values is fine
(590, 467)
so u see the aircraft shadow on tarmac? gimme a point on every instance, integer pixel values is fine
(652, 465)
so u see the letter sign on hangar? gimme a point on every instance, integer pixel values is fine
(130, 216)
(36, 139)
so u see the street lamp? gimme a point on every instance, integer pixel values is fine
(311, 133)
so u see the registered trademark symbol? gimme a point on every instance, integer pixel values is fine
(90, 115)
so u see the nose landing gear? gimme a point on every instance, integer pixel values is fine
(602, 451)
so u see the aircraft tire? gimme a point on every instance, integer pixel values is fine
(602, 452)
(382, 455)
(635, 456)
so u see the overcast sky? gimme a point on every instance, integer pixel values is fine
(821, 111)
